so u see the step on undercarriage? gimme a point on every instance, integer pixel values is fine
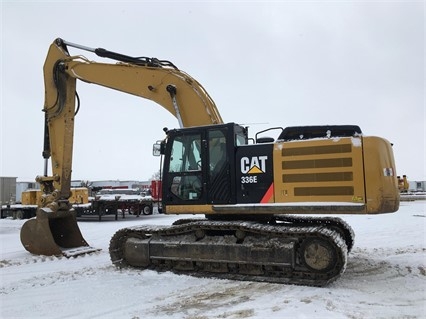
(290, 250)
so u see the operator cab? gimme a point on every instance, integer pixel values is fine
(199, 165)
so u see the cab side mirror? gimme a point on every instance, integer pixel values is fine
(158, 149)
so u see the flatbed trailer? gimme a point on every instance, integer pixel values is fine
(113, 204)
(18, 211)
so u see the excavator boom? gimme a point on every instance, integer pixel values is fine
(55, 228)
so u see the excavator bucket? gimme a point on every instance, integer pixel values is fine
(54, 234)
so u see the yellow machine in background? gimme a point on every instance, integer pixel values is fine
(403, 184)
(245, 190)
(31, 197)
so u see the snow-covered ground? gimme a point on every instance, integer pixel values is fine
(385, 278)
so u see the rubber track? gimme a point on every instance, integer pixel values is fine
(299, 275)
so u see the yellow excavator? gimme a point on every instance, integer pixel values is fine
(253, 195)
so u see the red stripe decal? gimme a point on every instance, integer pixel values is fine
(268, 195)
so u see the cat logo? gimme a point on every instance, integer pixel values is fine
(254, 165)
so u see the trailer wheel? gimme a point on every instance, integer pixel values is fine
(19, 214)
(147, 210)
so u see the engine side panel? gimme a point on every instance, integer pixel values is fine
(346, 170)
(319, 170)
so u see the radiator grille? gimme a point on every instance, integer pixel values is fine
(321, 171)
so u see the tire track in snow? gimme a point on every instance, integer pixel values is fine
(231, 297)
(385, 263)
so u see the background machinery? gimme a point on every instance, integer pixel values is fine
(403, 184)
(245, 190)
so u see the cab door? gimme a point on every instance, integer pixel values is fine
(183, 177)
(219, 166)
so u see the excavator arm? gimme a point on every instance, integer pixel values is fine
(155, 80)
(55, 228)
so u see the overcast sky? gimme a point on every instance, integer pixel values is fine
(265, 64)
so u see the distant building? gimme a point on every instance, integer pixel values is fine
(417, 186)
